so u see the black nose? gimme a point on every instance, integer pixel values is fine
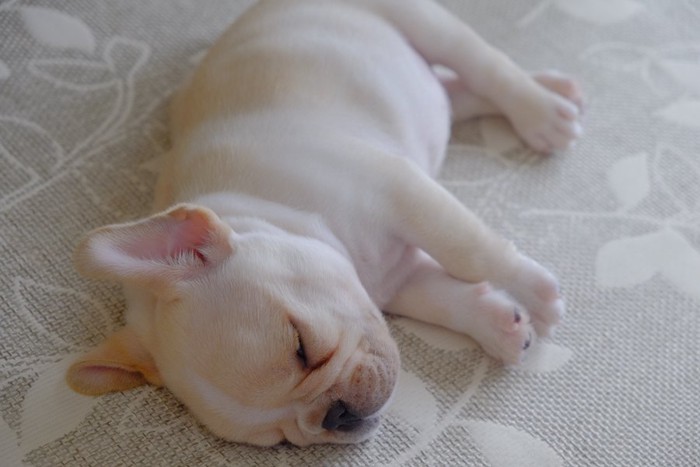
(340, 418)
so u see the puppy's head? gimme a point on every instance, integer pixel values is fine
(264, 337)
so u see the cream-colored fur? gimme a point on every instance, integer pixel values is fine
(298, 201)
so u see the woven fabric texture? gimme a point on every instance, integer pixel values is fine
(84, 88)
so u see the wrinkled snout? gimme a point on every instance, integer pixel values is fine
(362, 393)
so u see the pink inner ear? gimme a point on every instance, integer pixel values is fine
(159, 249)
(199, 255)
(171, 238)
(187, 237)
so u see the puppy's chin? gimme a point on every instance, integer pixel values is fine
(293, 435)
(358, 432)
(289, 431)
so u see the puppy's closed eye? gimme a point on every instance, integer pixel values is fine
(300, 351)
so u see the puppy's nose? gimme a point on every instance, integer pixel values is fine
(340, 418)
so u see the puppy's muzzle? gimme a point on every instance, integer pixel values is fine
(364, 390)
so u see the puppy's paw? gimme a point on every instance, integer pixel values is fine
(547, 114)
(538, 291)
(561, 84)
(503, 327)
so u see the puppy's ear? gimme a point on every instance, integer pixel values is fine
(119, 363)
(172, 246)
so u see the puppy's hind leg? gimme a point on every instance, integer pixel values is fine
(546, 120)
(487, 315)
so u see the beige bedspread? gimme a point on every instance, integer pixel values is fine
(83, 91)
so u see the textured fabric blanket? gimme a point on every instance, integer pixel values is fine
(84, 87)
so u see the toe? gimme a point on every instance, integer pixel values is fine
(540, 144)
(561, 84)
(567, 110)
(547, 318)
(505, 329)
(542, 329)
(569, 130)
(560, 141)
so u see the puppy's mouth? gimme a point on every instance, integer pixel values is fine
(341, 418)
(346, 426)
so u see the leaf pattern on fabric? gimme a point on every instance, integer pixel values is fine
(4, 71)
(629, 180)
(25, 168)
(618, 56)
(413, 403)
(506, 446)
(683, 112)
(630, 261)
(9, 446)
(598, 12)
(126, 56)
(661, 68)
(51, 409)
(676, 174)
(57, 29)
(602, 12)
(77, 75)
(35, 303)
(685, 72)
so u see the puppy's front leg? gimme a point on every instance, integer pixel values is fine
(425, 215)
(486, 314)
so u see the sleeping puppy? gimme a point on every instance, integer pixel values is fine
(299, 200)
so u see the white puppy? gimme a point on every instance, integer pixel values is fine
(298, 201)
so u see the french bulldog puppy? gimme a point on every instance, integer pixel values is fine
(299, 200)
